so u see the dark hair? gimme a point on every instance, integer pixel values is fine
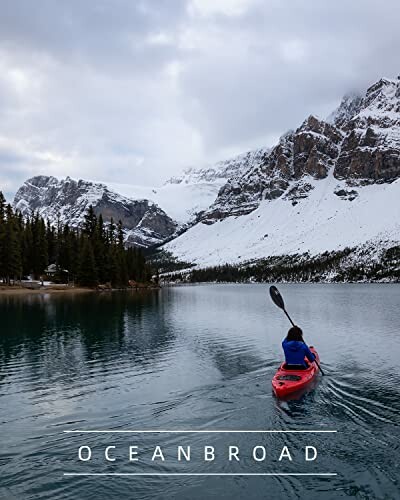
(295, 333)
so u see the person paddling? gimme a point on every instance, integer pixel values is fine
(296, 350)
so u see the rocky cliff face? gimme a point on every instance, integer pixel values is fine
(370, 151)
(67, 200)
(359, 143)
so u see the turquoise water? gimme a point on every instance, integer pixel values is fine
(198, 358)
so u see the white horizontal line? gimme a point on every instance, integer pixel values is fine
(200, 474)
(154, 431)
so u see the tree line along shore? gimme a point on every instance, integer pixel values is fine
(92, 256)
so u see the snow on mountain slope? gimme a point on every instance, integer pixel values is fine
(180, 201)
(185, 196)
(323, 221)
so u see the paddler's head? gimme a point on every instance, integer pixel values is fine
(295, 333)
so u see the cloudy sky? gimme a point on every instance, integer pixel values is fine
(132, 91)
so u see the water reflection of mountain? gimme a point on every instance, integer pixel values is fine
(61, 334)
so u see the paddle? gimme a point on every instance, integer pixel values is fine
(278, 300)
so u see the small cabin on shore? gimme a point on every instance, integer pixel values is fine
(53, 271)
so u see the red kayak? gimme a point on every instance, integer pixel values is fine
(287, 381)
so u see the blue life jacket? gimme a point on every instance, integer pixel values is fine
(296, 351)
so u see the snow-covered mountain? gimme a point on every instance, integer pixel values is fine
(67, 200)
(326, 185)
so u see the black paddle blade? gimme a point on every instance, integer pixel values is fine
(276, 297)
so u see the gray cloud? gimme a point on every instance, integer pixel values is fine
(134, 91)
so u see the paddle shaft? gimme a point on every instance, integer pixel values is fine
(289, 318)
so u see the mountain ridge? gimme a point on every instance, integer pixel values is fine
(66, 200)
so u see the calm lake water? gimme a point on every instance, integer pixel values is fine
(198, 358)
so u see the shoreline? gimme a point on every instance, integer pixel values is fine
(18, 290)
(195, 283)
(54, 290)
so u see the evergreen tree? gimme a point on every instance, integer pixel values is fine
(90, 222)
(120, 234)
(122, 268)
(111, 232)
(12, 248)
(87, 273)
(26, 248)
(51, 243)
(42, 247)
(100, 228)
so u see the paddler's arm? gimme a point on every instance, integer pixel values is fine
(310, 356)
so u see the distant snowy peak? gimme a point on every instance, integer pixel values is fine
(348, 108)
(67, 200)
(220, 171)
(381, 98)
(188, 196)
(383, 94)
